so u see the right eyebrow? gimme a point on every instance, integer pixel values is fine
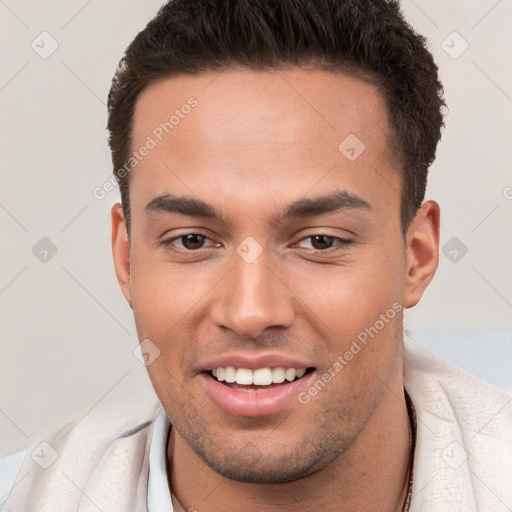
(183, 205)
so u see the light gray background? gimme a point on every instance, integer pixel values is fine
(67, 335)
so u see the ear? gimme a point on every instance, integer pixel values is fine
(121, 250)
(422, 257)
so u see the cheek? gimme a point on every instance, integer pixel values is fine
(348, 298)
(169, 304)
(160, 301)
(162, 293)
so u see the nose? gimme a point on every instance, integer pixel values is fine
(252, 297)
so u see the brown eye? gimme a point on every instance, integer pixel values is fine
(322, 241)
(192, 241)
(325, 242)
(187, 242)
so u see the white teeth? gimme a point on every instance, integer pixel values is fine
(230, 374)
(259, 377)
(243, 376)
(278, 375)
(262, 377)
(289, 374)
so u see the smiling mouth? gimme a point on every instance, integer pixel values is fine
(264, 391)
(262, 379)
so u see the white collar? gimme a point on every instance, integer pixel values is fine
(159, 496)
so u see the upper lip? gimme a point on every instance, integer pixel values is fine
(243, 360)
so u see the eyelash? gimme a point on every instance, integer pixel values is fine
(343, 243)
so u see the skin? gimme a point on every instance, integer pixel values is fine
(256, 142)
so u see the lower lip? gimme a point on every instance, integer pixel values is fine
(255, 403)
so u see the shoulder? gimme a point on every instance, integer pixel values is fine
(439, 384)
(464, 436)
(105, 424)
(77, 446)
(9, 468)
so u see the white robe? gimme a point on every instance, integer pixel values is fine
(463, 458)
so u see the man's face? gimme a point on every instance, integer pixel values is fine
(265, 286)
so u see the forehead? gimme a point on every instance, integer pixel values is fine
(252, 127)
(298, 104)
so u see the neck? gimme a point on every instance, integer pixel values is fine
(371, 475)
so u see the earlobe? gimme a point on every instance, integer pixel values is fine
(121, 250)
(422, 256)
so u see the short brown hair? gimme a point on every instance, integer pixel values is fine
(365, 38)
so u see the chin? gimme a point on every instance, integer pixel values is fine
(271, 464)
(263, 472)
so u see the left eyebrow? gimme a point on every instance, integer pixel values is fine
(302, 208)
(336, 201)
